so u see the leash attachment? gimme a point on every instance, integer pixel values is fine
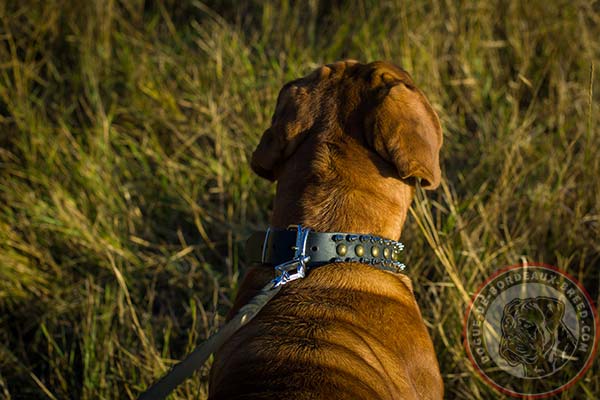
(296, 267)
(287, 272)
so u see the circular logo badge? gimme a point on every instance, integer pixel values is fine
(531, 331)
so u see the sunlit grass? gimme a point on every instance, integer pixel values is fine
(126, 194)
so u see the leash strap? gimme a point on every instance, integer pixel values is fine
(198, 357)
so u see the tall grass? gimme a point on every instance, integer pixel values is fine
(126, 195)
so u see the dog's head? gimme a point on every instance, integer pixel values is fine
(377, 104)
(530, 329)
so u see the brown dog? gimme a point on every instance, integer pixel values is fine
(346, 146)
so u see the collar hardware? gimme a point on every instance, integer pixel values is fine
(293, 251)
(298, 262)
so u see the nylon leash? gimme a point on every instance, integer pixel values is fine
(286, 272)
(196, 359)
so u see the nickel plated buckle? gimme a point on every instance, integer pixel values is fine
(296, 267)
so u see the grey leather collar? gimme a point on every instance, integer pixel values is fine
(277, 246)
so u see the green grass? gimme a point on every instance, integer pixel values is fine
(126, 194)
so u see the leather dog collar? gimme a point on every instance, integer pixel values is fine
(277, 246)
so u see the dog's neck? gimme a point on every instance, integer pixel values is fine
(344, 188)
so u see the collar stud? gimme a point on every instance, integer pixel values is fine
(341, 249)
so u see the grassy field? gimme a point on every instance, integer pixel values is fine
(126, 195)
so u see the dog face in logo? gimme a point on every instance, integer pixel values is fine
(535, 336)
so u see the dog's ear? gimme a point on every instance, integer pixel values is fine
(508, 314)
(405, 130)
(290, 123)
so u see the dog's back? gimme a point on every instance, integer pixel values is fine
(331, 337)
